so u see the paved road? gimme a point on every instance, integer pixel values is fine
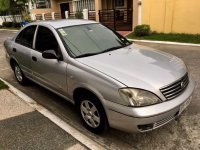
(181, 134)
(24, 128)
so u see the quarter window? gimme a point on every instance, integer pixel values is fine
(45, 40)
(26, 36)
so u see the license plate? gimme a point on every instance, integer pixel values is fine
(184, 105)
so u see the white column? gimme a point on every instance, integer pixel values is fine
(34, 5)
(139, 12)
(43, 18)
(53, 15)
(66, 14)
(85, 14)
(74, 6)
(33, 17)
(29, 5)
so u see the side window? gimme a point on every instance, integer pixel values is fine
(45, 40)
(26, 36)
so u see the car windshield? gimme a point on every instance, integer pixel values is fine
(91, 39)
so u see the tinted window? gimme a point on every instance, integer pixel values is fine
(26, 36)
(45, 40)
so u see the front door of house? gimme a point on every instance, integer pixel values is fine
(64, 7)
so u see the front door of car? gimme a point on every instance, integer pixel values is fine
(48, 72)
(22, 49)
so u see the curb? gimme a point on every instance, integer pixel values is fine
(8, 30)
(87, 142)
(167, 43)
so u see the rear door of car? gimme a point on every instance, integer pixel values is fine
(22, 48)
(49, 72)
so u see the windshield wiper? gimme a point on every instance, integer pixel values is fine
(85, 55)
(104, 51)
(112, 48)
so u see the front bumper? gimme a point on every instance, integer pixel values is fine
(147, 118)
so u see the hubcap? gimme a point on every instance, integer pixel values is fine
(18, 73)
(90, 113)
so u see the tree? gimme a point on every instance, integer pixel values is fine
(4, 5)
(13, 7)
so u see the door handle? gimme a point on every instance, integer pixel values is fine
(34, 58)
(14, 50)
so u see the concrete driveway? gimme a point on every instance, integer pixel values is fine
(181, 134)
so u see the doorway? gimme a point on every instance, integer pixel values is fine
(64, 7)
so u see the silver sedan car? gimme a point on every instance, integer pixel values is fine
(113, 83)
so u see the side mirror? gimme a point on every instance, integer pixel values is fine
(49, 54)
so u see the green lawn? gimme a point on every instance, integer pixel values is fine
(3, 85)
(172, 37)
(10, 28)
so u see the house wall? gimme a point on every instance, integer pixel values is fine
(107, 4)
(176, 16)
(135, 13)
(99, 5)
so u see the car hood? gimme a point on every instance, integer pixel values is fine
(138, 66)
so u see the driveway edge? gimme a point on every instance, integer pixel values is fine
(89, 143)
(163, 42)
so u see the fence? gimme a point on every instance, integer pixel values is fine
(89, 15)
(85, 14)
(120, 20)
(10, 18)
(92, 15)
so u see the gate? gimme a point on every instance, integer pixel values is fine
(117, 19)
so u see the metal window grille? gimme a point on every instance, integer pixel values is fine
(84, 4)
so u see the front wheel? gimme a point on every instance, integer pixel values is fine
(92, 114)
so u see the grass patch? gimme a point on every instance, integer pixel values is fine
(3, 85)
(10, 28)
(172, 37)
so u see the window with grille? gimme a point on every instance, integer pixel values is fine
(84, 4)
(43, 4)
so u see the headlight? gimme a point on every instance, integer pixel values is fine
(138, 97)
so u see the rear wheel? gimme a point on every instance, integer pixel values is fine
(19, 75)
(92, 114)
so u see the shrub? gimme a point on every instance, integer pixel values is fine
(16, 25)
(142, 30)
(79, 15)
(11, 24)
(7, 24)
(27, 17)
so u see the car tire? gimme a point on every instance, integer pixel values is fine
(19, 75)
(92, 114)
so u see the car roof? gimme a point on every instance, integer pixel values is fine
(64, 22)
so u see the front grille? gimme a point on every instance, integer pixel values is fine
(164, 121)
(175, 89)
(148, 127)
